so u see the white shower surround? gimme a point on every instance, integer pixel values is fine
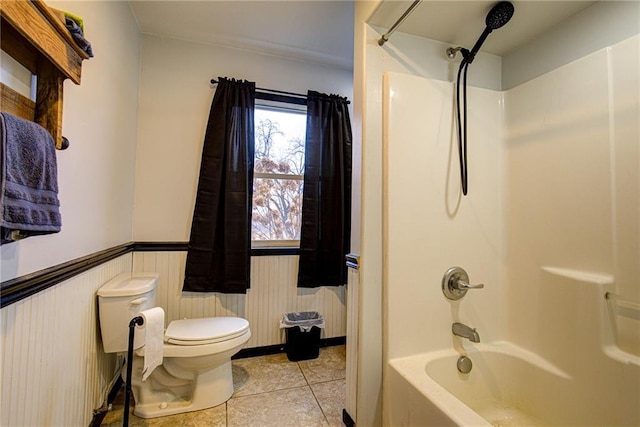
(553, 183)
(428, 226)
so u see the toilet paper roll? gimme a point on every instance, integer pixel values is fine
(153, 341)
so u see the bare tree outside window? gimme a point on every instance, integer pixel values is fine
(278, 174)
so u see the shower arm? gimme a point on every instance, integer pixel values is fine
(469, 55)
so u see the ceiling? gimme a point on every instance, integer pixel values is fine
(460, 23)
(316, 31)
(321, 31)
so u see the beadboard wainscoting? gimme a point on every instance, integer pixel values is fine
(273, 292)
(53, 369)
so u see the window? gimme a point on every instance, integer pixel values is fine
(278, 174)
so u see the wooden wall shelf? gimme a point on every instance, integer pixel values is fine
(37, 38)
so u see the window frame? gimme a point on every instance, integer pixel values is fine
(283, 103)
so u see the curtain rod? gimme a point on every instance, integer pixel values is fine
(385, 36)
(281, 92)
(214, 81)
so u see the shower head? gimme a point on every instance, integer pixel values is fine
(497, 17)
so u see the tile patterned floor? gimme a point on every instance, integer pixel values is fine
(269, 391)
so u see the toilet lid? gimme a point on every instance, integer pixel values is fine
(207, 330)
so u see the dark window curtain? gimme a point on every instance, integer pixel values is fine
(218, 257)
(326, 203)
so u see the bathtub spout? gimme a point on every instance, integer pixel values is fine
(464, 331)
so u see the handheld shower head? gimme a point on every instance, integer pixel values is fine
(499, 15)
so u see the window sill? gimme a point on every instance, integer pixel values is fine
(274, 251)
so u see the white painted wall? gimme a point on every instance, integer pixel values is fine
(95, 175)
(175, 98)
(603, 24)
(54, 371)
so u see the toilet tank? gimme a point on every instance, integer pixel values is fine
(119, 301)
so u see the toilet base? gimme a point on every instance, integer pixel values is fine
(211, 388)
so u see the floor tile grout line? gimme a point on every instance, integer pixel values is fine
(270, 391)
(328, 381)
(288, 388)
(319, 405)
(303, 374)
(300, 371)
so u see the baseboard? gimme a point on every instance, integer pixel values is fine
(113, 393)
(99, 415)
(281, 348)
(347, 420)
(330, 342)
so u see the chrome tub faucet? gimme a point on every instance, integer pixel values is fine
(464, 331)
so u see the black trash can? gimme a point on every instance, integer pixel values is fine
(302, 330)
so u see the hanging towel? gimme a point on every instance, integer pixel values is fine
(153, 339)
(29, 182)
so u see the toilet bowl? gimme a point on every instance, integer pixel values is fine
(196, 369)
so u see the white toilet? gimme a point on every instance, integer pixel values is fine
(196, 369)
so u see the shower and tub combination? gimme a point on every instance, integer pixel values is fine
(500, 383)
(550, 228)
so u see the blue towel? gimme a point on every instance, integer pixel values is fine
(29, 184)
(78, 36)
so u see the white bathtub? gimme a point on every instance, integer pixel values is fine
(509, 386)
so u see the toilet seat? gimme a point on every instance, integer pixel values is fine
(208, 330)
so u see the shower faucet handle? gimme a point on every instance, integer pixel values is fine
(462, 285)
(455, 283)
